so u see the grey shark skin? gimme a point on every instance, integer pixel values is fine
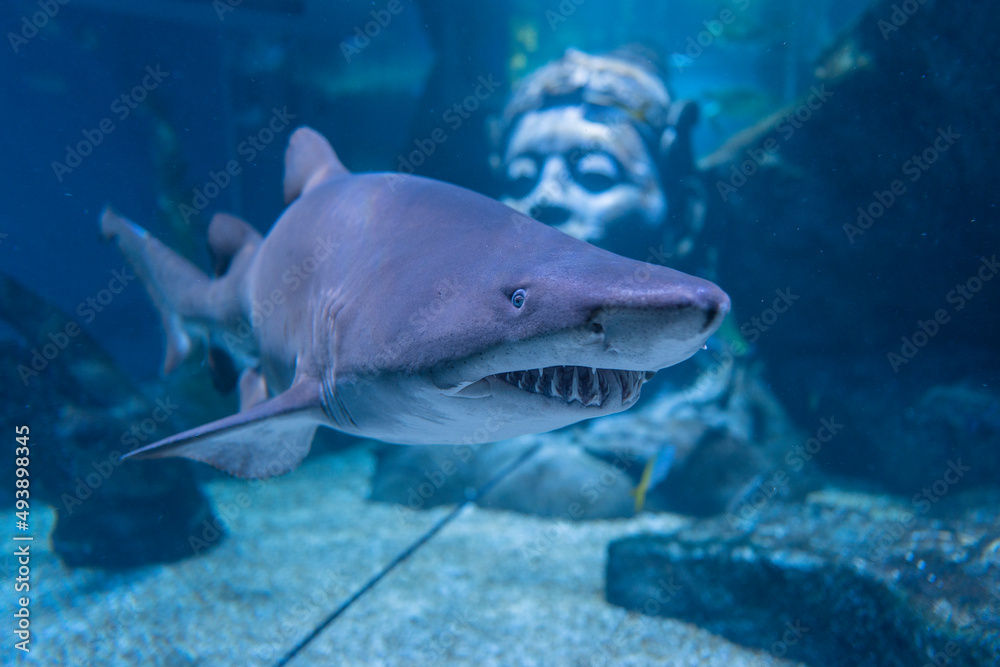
(410, 311)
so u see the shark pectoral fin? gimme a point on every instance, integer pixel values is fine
(309, 160)
(267, 440)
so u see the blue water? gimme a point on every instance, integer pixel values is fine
(172, 110)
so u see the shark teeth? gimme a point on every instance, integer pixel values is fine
(587, 386)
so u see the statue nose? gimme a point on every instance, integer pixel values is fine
(550, 215)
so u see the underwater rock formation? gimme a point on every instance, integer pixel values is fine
(842, 579)
(561, 481)
(83, 414)
(872, 199)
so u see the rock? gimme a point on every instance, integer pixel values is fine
(871, 284)
(154, 529)
(705, 482)
(951, 423)
(842, 579)
(560, 480)
(83, 414)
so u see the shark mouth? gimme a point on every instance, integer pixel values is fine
(587, 386)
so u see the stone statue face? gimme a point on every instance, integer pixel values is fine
(593, 180)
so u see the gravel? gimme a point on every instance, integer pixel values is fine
(493, 588)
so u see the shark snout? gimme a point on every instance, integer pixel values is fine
(660, 327)
(713, 302)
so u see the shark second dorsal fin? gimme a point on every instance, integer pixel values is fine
(269, 439)
(309, 161)
(253, 389)
(227, 235)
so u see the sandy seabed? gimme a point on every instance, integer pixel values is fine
(493, 588)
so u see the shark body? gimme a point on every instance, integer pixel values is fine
(410, 311)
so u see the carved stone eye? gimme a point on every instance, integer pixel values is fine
(517, 299)
(597, 172)
(522, 176)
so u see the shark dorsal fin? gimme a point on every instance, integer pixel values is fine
(309, 161)
(227, 235)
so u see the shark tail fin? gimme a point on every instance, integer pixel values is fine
(309, 160)
(179, 290)
(266, 440)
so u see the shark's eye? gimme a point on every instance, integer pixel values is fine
(517, 299)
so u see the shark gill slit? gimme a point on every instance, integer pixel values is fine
(333, 407)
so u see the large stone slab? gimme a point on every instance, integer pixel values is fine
(842, 579)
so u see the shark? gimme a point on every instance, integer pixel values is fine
(407, 310)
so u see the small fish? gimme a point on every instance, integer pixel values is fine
(656, 470)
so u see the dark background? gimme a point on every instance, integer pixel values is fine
(783, 230)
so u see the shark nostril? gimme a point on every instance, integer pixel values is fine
(710, 316)
(597, 328)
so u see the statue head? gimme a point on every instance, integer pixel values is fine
(595, 146)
